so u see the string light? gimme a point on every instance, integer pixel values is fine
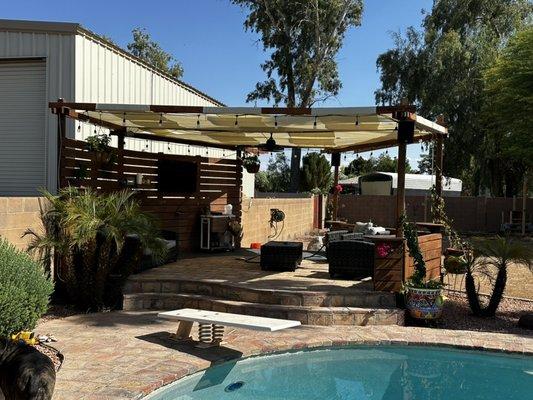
(276, 121)
(188, 149)
(124, 119)
(168, 146)
(224, 153)
(198, 121)
(94, 131)
(236, 120)
(371, 153)
(146, 145)
(344, 156)
(314, 123)
(357, 120)
(207, 151)
(79, 126)
(160, 119)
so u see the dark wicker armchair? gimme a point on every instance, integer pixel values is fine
(350, 258)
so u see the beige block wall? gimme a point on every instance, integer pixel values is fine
(256, 216)
(16, 215)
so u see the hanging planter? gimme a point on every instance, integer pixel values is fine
(104, 155)
(251, 164)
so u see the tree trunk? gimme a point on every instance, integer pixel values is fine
(497, 293)
(471, 293)
(296, 155)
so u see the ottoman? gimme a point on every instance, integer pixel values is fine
(281, 256)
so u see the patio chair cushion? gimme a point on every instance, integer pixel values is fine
(332, 236)
(351, 258)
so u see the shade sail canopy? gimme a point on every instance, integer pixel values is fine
(332, 129)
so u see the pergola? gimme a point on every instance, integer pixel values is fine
(333, 130)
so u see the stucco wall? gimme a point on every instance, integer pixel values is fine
(256, 216)
(16, 215)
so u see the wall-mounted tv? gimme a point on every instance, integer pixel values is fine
(178, 177)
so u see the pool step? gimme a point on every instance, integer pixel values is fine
(341, 297)
(308, 315)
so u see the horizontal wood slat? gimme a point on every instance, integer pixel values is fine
(219, 184)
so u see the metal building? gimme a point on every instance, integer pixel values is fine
(44, 61)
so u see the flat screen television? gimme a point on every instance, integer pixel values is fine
(178, 177)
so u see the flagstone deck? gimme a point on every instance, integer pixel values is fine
(125, 355)
(226, 282)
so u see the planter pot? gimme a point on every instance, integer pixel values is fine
(252, 168)
(423, 303)
(451, 264)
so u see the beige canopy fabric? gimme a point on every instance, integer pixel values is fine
(331, 129)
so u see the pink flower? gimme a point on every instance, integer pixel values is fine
(383, 249)
(338, 188)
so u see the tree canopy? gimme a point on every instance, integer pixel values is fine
(302, 39)
(382, 163)
(277, 176)
(509, 97)
(440, 69)
(144, 47)
(316, 173)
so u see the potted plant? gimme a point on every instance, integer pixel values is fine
(423, 298)
(252, 164)
(457, 249)
(99, 145)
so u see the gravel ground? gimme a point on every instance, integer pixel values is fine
(457, 315)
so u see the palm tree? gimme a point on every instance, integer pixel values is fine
(89, 233)
(498, 253)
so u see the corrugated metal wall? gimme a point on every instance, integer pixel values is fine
(58, 50)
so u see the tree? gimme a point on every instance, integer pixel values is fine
(383, 163)
(302, 38)
(144, 47)
(316, 173)
(497, 254)
(509, 100)
(440, 70)
(425, 164)
(277, 176)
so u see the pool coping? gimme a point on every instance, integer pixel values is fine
(476, 345)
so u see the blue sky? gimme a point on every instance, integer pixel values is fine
(218, 56)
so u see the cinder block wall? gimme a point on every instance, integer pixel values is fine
(256, 216)
(16, 215)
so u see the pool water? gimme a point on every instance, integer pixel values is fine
(360, 373)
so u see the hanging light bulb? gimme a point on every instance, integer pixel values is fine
(94, 131)
(207, 151)
(387, 152)
(160, 119)
(276, 121)
(168, 146)
(146, 145)
(124, 119)
(236, 120)
(223, 153)
(314, 123)
(198, 121)
(371, 153)
(188, 149)
(357, 120)
(344, 156)
(79, 126)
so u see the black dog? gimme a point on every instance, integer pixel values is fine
(25, 373)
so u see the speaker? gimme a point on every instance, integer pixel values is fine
(406, 131)
(335, 159)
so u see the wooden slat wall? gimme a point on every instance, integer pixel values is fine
(219, 184)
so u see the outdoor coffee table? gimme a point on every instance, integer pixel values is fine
(281, 256)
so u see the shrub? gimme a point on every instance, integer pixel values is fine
(24, 290)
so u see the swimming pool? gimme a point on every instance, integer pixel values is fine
(357, 373)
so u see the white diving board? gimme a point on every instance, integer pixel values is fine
(227, 319)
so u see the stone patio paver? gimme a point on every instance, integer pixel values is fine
(125, 355)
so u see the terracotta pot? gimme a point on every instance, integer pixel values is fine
(423, 303)
(252, 168)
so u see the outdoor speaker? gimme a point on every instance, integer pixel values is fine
(335, 159)
(406, 131)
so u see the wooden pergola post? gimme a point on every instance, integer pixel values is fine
(438, 163)
(400, 189)
(335, 161)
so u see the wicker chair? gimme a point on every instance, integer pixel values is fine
(350, 258)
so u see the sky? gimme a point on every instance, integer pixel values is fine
(219, 57)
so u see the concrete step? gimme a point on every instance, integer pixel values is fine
(341, 297)
(308, 315)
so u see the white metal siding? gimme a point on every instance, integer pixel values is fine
(58, 51)
(103, 75)
(22, 116)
